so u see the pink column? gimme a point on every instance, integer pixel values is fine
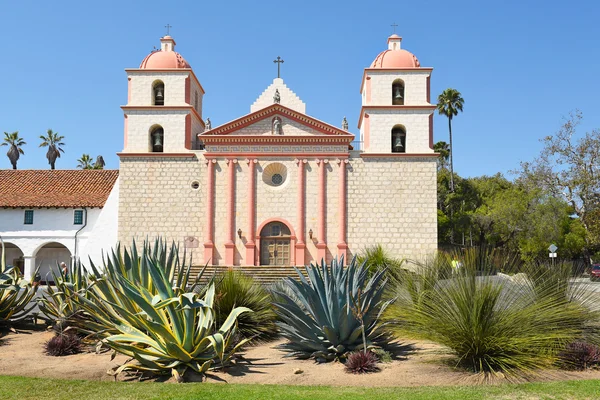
(209, 244)
(322, 243)
(342, 210)
(230, 244)
(250, 245)
(300, 244)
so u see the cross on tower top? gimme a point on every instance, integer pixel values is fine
(394, 25)
(168, 28)
(278, 61)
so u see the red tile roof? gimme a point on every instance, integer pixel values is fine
(56, 188)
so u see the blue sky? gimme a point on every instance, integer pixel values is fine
(520, 65)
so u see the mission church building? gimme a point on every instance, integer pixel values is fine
(277, 187)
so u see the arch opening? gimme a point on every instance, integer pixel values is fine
(398, 139)
(158, 93)
(157, 139)
(48, 259)
(275, 244)
(398, 92)
(14, 256)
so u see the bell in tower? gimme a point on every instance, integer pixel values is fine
(398, 93)
(157, 138)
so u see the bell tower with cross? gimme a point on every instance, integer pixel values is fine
(163, 113)
(396, 115)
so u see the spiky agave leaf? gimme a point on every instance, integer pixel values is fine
(321, 316)
(15, 293)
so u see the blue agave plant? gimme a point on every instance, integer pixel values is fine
(334, 312)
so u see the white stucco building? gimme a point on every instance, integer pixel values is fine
(53, 216)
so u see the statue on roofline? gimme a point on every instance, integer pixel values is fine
(277, 97)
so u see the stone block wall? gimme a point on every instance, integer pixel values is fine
(392, 201)
(141, 83)
(156, 199)
(415, 87)
(140, 123)
(382, 121)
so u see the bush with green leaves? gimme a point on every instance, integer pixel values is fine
(145, 309)
(377, 258)
(328, 315)
(493, 323)
(16, 294)
(236, 289)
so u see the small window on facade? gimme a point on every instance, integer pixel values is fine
(398, 140)
(78, 217)
(158, 92)
(28, 217)
(157, 138)
(398, 92)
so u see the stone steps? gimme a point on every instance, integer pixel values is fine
(265, 275)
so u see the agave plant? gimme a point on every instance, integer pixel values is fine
(143, 307)
(15, 293)
(321, 317)
(60, 303)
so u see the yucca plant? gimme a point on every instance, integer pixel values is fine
(236, 289)
(322, 317)
(147, 311)
(15, 293)
(491, 324)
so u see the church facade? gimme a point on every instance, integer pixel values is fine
(278, 187)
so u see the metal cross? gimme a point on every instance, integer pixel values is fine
(278, 61)
(394, 25)
(168, 28)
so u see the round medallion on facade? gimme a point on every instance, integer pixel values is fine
(275, 174)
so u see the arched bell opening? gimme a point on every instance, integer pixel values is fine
(157, 139)
(398, 139)
(398, 92)
(158, 93)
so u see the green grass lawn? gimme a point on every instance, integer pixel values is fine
(36, 388)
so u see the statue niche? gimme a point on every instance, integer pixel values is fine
(277, 127)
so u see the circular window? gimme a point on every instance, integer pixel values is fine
(275, 174)
(195, 185)
(277, 179)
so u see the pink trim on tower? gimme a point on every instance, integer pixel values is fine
(322, 243)
(230, 244)
(292, 238)
(209, 243)
(126, 129)
(431, 131)
(188, 131)
(187, 90)
(342, 245)
(301, 245)
(250, 244)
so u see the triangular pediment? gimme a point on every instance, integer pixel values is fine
(277, 120)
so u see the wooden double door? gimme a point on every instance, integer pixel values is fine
(275, 244)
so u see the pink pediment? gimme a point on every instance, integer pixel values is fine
(291, 123)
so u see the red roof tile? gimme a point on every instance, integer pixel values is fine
(56, 188)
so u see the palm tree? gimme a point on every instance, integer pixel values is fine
(53, 141)
(85, 162)
(16, 147)
(444, 149)
(450, 102)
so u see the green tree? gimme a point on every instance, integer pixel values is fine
(450, 102)
(568, 167)
(15, 149)
(54, 142)
(85, 162)
(444, 150)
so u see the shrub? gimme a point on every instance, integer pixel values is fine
(490, 323)
(63, 344)
(154, 317)
(383, 355)
(15, 293)
(322, 317)
(580, 355)
(362, 362)
(377, 258)
(236, 289)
